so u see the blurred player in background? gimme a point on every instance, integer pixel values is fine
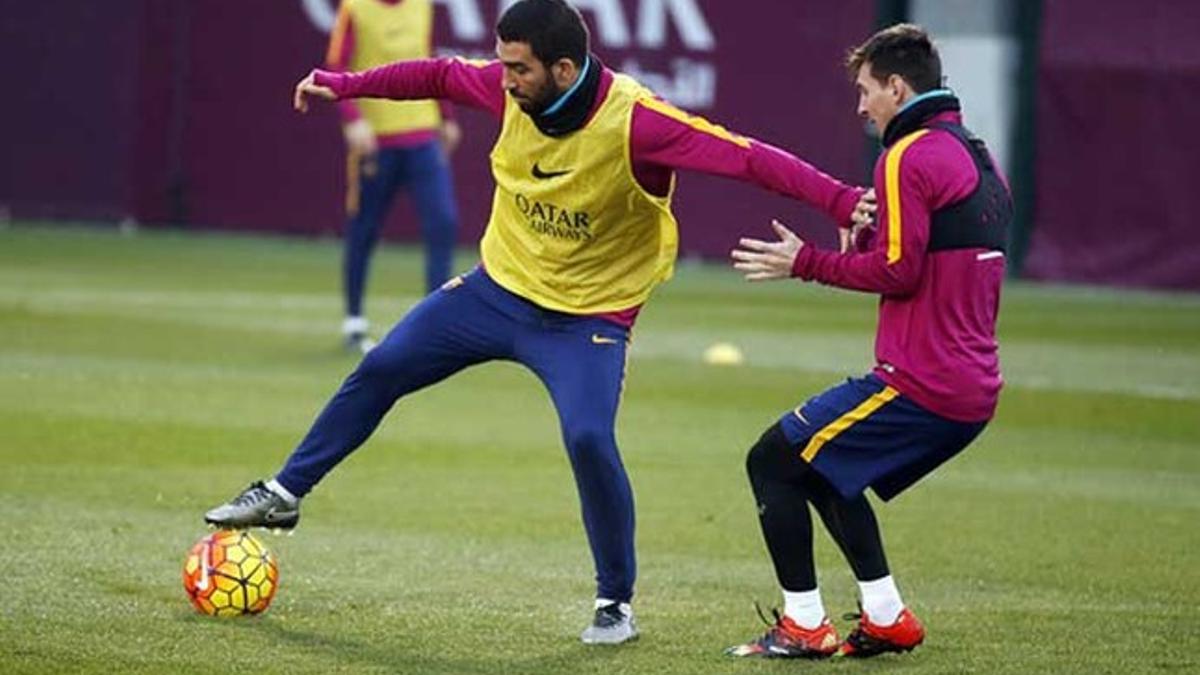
(937, 262)
(581, 232)
(391, 146)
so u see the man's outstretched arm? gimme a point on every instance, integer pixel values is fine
(476, 84)
(667, 136)
(891, 265)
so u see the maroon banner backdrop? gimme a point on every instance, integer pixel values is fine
(172, 111)
(67, 121)
(1116, 157)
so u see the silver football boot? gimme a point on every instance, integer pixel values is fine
(612, 625)
(256, 506)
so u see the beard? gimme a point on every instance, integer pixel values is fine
(539, 100)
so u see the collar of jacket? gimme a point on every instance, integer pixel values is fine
(914, 115)
(571, 112)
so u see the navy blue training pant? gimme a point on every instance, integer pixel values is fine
(581, 360)
(424, 172)
(863, 433)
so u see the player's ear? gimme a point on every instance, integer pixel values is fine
(563, 71)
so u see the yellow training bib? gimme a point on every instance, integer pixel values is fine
(571, 228)
(385, 33)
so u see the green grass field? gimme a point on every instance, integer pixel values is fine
(146, 378)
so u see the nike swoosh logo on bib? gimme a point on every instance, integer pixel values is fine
(538, 173)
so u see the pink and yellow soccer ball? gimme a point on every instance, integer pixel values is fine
(230, 573)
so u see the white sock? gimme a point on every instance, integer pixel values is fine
(274, 486)
(881, 600)
(626, 608)
(804, 607)
(355, 325)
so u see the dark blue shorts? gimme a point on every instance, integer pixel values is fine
(866, 434)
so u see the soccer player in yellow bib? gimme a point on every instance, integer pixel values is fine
(581, 232)
(392, 146)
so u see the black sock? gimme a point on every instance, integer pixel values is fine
(851, 523)
(782, 510)
(784, 485)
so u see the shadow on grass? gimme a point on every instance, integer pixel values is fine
(401, 653)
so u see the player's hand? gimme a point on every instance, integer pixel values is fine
(845, 238)
(766, 260)
(863, 218)
(451, 136)
(308, 87)
(864, 210)
(360, 138)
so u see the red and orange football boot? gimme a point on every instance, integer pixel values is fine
(869, 639)
(788, 640)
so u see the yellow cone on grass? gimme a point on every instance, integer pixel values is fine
(723, 354)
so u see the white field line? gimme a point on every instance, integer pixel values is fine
(1159, 374)
(67, 299)
(1045, 366)
(1158, 488)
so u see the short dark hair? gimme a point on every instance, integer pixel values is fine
(903, 49)
(552, 28)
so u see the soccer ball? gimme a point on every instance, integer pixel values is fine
(230, 573)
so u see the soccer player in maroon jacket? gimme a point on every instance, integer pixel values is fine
(937, 263)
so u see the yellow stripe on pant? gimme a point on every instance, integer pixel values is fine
(831, 430)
